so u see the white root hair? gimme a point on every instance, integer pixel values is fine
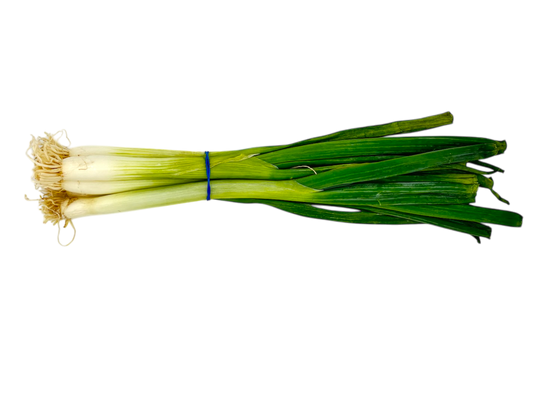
(47, 155)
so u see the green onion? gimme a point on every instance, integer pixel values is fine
(375, 179)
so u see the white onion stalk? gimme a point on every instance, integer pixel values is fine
(96, 167)
(94, 188)
(184, 193)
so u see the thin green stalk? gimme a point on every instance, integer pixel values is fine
(308, 210)
(369, 147)
(375, 131)
(443, 176)
(399, 166)
(371, 215)
(398, 193)
(337, 161)
(393, 128)
(475, 229)
(494, 168)
(462, 213)
(459, 167)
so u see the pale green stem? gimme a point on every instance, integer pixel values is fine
(188, 192)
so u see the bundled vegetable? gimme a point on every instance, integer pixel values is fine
(377, 179)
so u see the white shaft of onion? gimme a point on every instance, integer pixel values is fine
(105, 168)
(100, 168)
(130, 152)
(84, 188)
(168, 195)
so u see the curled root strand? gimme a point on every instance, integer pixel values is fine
(27, 198)
(74, 234)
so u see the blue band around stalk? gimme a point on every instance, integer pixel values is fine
(208, 172)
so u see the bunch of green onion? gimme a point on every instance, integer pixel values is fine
(370, 177)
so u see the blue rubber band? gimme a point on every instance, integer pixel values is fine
(208, 172)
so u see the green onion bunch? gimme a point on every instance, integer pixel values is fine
(369, 176)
